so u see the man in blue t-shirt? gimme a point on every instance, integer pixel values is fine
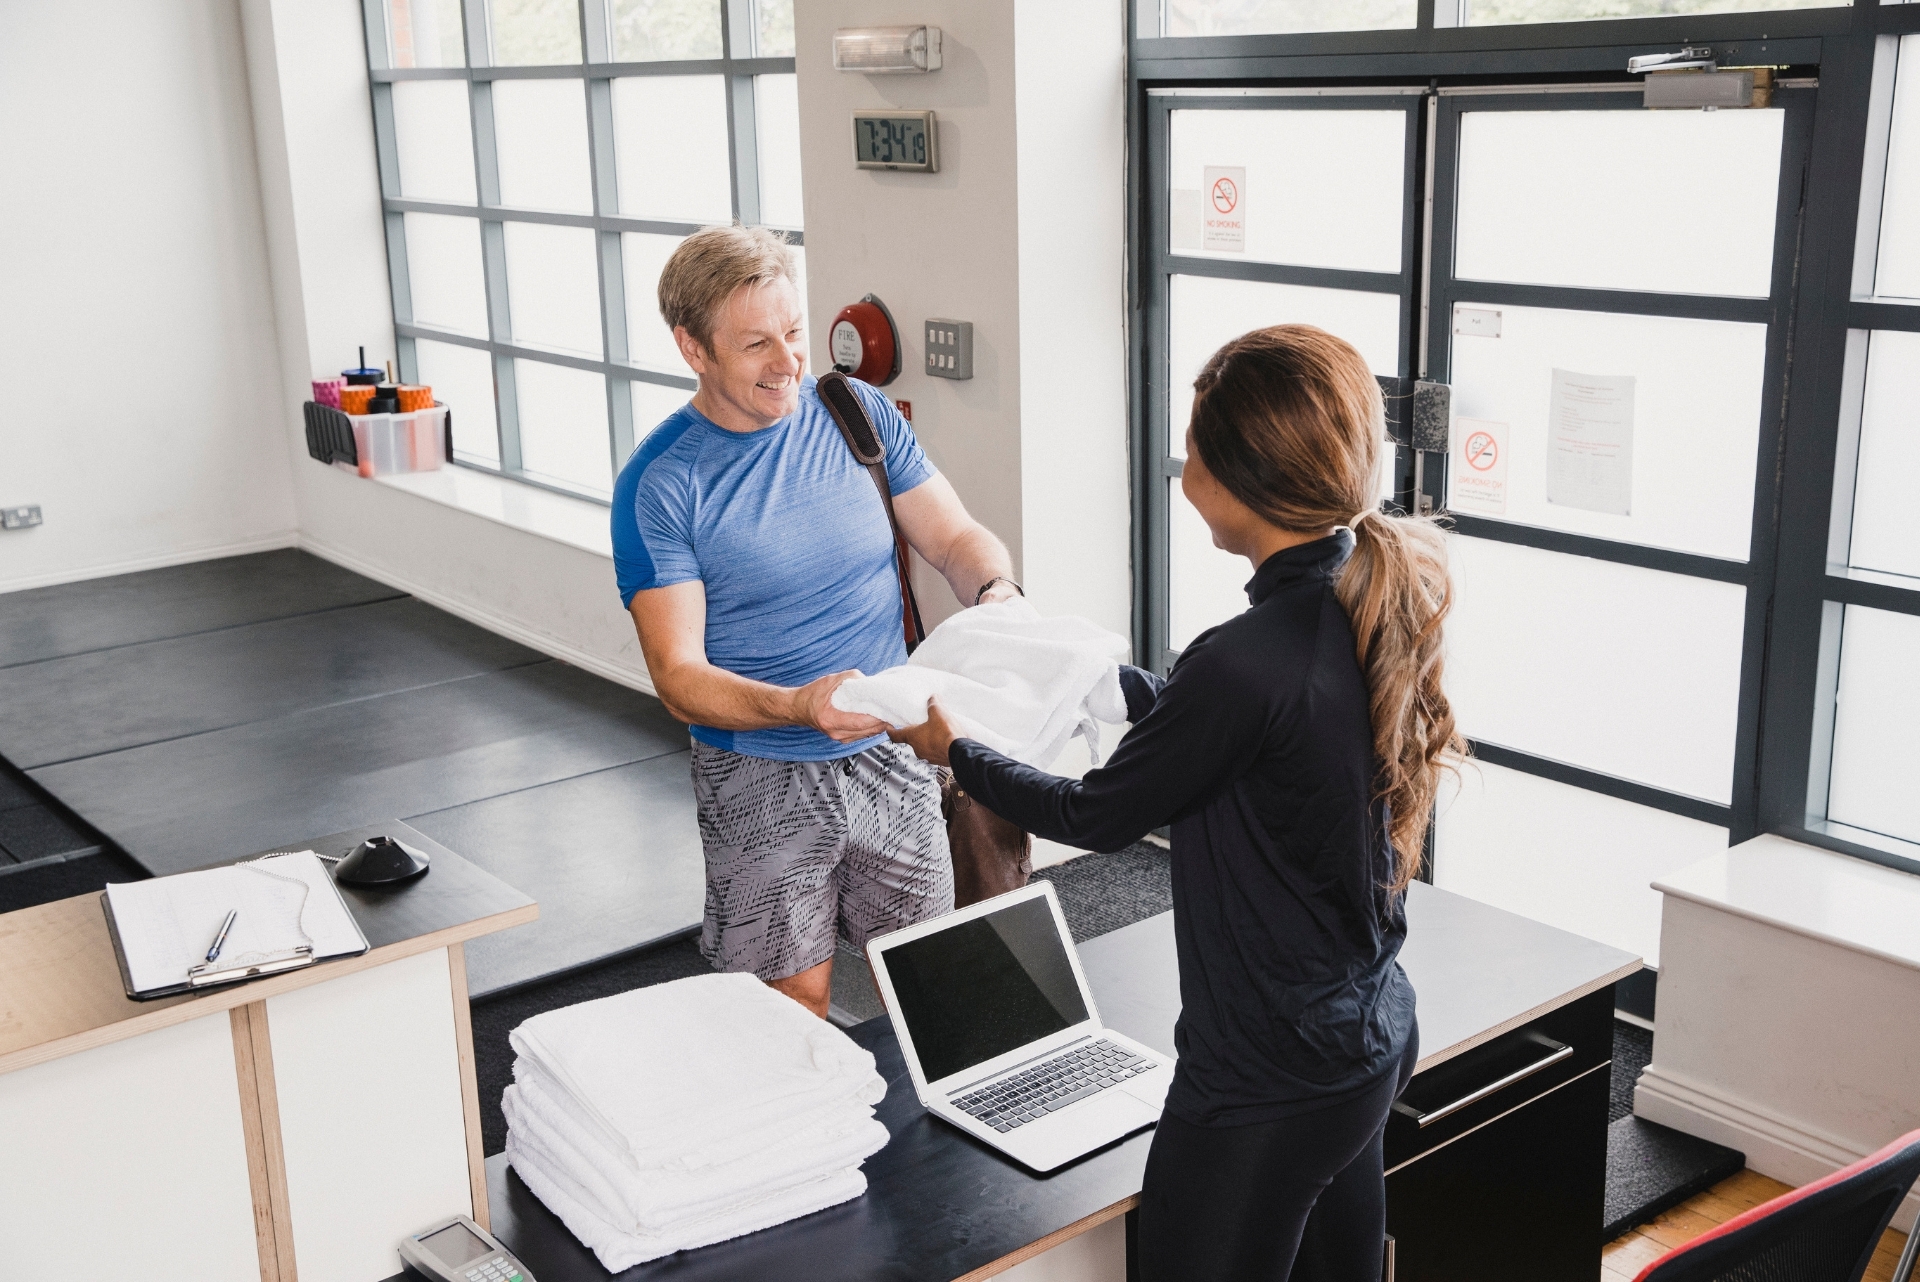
(755, 556)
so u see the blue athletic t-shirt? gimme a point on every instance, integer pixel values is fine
(786, 530)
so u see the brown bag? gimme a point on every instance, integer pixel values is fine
(990, 855)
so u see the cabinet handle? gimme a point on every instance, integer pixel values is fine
(1428, 1119)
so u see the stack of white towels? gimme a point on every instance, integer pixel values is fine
(687, 1113)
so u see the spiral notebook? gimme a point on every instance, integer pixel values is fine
(289, 914)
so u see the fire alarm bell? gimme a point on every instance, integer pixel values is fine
(864, 342)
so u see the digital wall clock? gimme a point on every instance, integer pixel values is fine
(904, 140)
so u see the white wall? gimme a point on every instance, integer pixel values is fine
(943, 244)
(320, 188)
(1070, 62)
(136, 340)
(207, 216)
(1031, 108)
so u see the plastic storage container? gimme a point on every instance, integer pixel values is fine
(378, 444)
(405, 442)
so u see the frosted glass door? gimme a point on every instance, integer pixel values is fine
(1629, 672)
(1614, 349)
(1317, 188)
(1276, 209)
(1576, 198)
(1695, 401)
(1208, 312)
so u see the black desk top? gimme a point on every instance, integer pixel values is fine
(452, 892)
(940, 1205)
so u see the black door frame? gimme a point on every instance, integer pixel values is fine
(1791, 586)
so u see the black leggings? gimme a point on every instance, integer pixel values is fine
(1301, 1199)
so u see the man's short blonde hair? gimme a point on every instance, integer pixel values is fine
(710, 265)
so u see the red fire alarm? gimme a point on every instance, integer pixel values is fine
(864, 342)
(905, 408)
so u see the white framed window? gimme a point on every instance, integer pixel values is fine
(539, 160)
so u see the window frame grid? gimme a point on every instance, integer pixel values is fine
(1774, 311)
(1790, 651)
(1163, 263)
(739, 65)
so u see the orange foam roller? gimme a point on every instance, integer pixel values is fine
(415, 398)
(354, 399)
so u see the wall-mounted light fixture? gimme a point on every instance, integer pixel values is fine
(884, 50)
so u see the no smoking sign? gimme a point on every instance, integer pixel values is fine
(1477, 481)
(1224, 217)
(1483, 451)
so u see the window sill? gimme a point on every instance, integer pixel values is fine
(1818, 893)
(577, 523)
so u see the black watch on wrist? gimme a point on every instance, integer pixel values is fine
(998, 578)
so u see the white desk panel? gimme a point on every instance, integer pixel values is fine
(129, 1160)
(371, 1121)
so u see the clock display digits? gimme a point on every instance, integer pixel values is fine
(904, 142)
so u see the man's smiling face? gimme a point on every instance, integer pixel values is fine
(750, 372)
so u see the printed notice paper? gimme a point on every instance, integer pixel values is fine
(1223, 208)
(1477, 480)
(1590, 442)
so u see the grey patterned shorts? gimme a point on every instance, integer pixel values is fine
(801, 851)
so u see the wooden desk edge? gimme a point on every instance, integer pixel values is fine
(1051, 1240)
(1567, 998)
(167, 1013)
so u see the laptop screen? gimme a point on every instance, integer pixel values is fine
(985, 987)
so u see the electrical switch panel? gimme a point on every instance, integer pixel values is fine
(950, 348)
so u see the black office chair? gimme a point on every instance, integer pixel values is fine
(1825, 1232)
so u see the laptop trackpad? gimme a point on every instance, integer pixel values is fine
(1114, 1112)
(1150, 1090)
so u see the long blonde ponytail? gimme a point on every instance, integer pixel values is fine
(1290, 420)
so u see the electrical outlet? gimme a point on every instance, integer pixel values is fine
(950, 348)
(19, 518)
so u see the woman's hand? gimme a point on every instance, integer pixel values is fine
(932, 738)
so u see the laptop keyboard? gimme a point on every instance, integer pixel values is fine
(1051, 1085)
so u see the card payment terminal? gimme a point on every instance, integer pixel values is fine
(458, 1250)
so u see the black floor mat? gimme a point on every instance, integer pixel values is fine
(1632, 1052)
(47, 852)
(1653, 1168)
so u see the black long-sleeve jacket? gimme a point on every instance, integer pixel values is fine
(1258, 749)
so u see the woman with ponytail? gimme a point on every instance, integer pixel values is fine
(1295, 750)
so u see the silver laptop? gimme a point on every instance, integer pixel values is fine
(1001, 1035)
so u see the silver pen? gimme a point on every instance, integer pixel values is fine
(219, 940)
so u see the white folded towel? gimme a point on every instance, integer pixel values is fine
(696, 1072)
(654, 1201)
(619, 1250)
(1020, 684)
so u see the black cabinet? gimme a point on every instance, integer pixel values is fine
(1511, 1186)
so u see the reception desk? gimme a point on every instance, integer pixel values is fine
(295, 1126)
(1504, 1180)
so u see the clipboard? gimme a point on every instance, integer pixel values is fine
(166, 936)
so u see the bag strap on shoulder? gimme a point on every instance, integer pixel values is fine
(843, 403)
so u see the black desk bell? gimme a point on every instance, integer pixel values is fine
(380, 861)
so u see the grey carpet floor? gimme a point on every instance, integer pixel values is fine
(1632, 1052)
